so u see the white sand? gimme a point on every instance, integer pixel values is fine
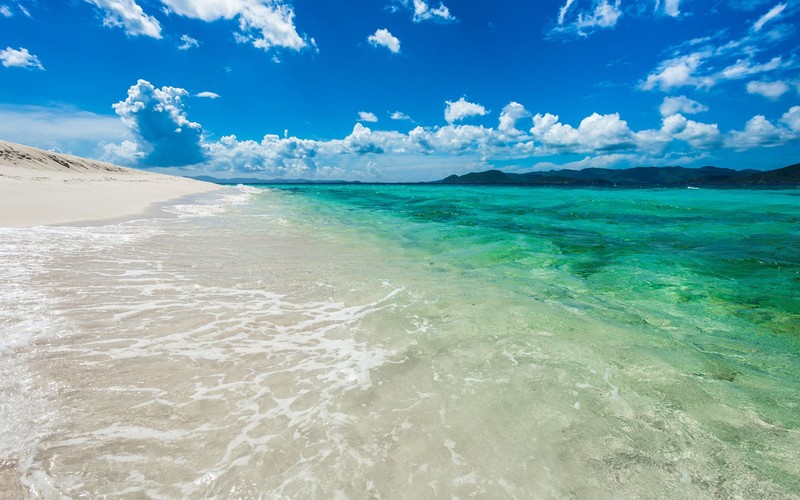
(42, 188)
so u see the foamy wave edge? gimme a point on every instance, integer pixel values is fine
(233, 196)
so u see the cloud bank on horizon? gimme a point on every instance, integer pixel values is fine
(598, 83)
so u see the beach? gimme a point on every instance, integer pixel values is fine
(42, 188)
(407, 341)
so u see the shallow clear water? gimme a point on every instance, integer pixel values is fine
(401, 341)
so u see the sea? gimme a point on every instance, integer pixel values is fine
(392, 341)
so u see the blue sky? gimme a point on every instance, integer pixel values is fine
(400, 90)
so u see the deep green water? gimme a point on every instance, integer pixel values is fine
(723, 263)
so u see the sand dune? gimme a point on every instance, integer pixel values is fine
(43, 188)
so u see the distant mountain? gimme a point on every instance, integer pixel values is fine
(782, 176)
(635, 177)
(600, 177)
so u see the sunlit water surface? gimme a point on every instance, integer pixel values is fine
(412, 342)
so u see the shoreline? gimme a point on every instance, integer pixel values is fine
(39, 188)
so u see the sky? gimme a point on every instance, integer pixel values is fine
(403, 90)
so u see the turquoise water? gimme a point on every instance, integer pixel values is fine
(714, 262)
(408, 342)
(705, 282)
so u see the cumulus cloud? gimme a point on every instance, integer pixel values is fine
(700, 135)
(680, 104)
(678, 72)
(188, 43)
(263, 23)
(770, 90)
(208, 95)
(159, 133)
(157, 119)
(511, 114)
(384, 38)
(792, 119)
(772, 14)
(676, 127)
(596, 133)
(398, 115)
(758, 132)
(127, 14)
(20, 58)
(460, 109)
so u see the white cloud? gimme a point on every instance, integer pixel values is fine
(677, 72)
(607, 140)
(264, 23)
(511, 114)
(19, 58)
(398, 115)
(759, 132)
(366, 116)
(383, 38)
(207, 95)
(129, 15)
(792, 119)
(157, 119)
(745, 67)
(700, 135)
(605, 15)
(596, 133)
(676, 127)
(460, 109)
(462, 139)
(672, 8)
(159, 133)
(772, 14)
(680, 104)
(770, 90)
(5, 11)
(584, 21)
(188, 43)
(684, 71)
(562, 12)
(424, 12)
(604, 132)
(711, 60)
(125, 153)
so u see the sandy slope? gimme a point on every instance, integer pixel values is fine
(40, 188)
